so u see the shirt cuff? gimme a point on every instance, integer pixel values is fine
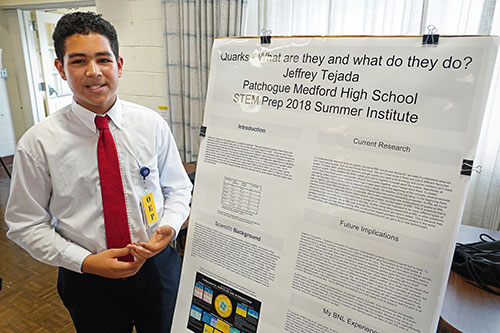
(173, 221)
(73, 256)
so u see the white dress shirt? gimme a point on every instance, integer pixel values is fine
(55, 210)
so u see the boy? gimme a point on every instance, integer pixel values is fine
(99, 190)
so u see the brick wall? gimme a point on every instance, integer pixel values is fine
(140, 27)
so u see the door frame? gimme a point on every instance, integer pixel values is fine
(32, 64)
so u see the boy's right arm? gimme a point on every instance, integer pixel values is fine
(28, 217)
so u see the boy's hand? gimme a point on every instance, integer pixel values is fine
(106, 264)
(159, 241)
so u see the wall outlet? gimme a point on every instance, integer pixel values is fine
(3, 73)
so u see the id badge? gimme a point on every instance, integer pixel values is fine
(149, 209)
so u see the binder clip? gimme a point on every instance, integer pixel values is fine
(203, 131)
(431, 37)
(467, 168)
(265, 38)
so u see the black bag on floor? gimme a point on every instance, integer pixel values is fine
(479, 262)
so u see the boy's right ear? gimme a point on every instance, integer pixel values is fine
(60, 68)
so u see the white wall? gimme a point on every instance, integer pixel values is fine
(13, 60)
(140, 27)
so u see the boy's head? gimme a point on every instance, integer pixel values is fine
(88, 60)
(84, 24)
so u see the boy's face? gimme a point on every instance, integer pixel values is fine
(91, 70)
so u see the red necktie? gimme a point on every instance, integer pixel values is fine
(113, 197)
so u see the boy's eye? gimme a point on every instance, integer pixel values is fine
(104, 60)
(76, 61)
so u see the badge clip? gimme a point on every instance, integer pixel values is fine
(144, 172)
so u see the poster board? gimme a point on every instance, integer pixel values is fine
(330, 183)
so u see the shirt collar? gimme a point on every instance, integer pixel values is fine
(87, 117)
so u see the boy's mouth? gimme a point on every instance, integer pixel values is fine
(95, 87)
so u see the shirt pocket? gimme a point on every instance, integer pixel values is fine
(75, 176)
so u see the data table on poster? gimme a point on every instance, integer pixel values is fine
(241, 195)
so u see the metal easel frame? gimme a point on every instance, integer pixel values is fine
(5, 167)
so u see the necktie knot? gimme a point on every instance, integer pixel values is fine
(102, 122)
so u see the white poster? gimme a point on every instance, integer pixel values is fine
(329, 191)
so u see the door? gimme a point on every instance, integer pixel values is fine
(7, 138)
(57, 92)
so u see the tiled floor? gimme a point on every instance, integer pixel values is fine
(28, 299)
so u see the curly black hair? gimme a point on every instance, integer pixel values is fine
(82, 23)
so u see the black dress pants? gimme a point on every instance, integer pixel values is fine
(146, 300)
